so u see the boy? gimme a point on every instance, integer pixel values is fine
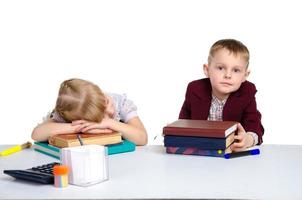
(225, 94)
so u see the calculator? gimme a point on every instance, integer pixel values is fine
(39, 174)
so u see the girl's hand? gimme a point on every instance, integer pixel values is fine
(95, 131)
(92, 127)
(241, 139)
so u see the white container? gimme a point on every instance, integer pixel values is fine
(88, 164)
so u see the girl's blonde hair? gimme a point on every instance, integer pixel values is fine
(80, 99)
(234, 46)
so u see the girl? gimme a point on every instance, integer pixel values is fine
(82, 107)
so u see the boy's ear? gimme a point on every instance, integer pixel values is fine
(247, 73)
(206, 69)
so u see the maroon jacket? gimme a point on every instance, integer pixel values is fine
(240, 106)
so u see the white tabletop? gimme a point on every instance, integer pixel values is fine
(151, 173)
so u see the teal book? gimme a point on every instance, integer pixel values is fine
(125, 146)
(47, 149)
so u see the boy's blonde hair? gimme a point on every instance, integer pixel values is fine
(80, 99)
(234, 46)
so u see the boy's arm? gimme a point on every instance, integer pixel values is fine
(251, 120)
(254, 136)
(185, 112)
(48, 128)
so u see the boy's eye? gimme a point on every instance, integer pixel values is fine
(236, 70)
(219, 67)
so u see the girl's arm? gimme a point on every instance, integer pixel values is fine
(48, 128)
(133, 130)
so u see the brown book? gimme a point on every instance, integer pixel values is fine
(71, 140)
(200, 128)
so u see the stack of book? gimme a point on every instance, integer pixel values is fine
(199, 137)
(113, 141)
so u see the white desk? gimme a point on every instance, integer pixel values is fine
(151, 173)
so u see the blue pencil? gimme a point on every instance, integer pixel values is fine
(242, 153)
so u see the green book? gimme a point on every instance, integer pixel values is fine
(47, 149)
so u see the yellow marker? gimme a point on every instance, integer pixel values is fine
(15, 149)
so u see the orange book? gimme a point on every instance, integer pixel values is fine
(71, 140)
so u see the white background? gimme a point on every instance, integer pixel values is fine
(149, 50)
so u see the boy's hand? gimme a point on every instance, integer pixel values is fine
(92, 127)
(242, 139)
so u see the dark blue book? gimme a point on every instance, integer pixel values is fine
(47, 149)
(198, 142)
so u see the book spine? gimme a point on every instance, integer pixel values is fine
(48, 154)
(199, 142)
(45, 145)
(57, 142)
(194, 151)
(87, 140)
(125, 146)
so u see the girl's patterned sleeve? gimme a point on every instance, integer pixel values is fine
(127, 110)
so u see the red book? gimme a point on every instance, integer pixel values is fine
(200, 128)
